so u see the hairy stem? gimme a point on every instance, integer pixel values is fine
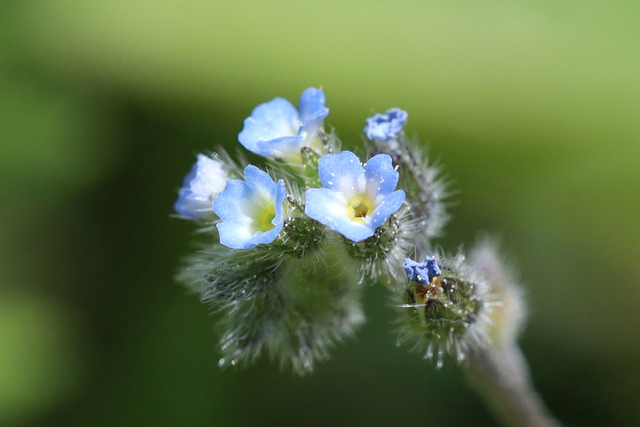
(501, 377)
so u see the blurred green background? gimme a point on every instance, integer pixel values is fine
(531, 106)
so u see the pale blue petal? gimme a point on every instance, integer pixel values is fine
(265, 237)
(355, 231)
(233, 201)
(268, 121)
(260, 183)
(236, 234)
(388, 206)
(312, 101)
(189, 206)
(282, 148)
(329, 208)
(325, 206)
(192, 174)
(210, 177)
(342, 173)
(206, 179)
(310, 126)
(192, 205)
(281, 193)
(381, 177)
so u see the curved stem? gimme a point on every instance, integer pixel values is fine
(501, 377)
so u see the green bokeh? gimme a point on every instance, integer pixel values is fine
(531, 107)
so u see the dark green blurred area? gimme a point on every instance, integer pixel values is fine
(532, 108)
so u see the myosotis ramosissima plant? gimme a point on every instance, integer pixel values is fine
(296, 238)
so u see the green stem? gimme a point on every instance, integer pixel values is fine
(501, 377)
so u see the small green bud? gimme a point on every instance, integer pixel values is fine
(444, 308)
(302, 235)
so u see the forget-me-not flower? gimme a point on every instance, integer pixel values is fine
(206, 179)
(422, 272)
(276, 129)
(356, 198)
(251, 210)
(384, 128)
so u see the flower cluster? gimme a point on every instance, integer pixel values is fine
(298, 234)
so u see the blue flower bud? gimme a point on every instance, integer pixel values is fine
(202, 184)
(384, 128)
(422, 272)
(444, 310)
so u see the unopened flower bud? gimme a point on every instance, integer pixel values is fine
(444, 307)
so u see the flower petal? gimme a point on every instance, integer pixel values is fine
(268, 121)
(281, 193)
(210, 177)
(310, 126)
(329, 208)
(342, 173)
(190, 205)
(260, 183)
(237, 234)
(206, 179)
(286, 147)
(265, 237)
(233, 201)
(381, 177)
(387, 207)
(312, 101)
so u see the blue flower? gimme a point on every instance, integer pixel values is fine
(206, 179)
(383, 128)
(251, 210)
(422, 272)
(356, 198)
(276, 129)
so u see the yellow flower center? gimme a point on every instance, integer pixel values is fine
(358, 208)
(263, 222)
